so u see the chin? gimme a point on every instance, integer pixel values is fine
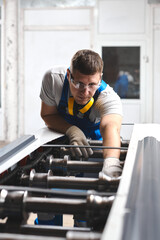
(82, 102)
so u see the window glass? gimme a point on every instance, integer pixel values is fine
(0, 57)
(0, 66)
(122, 70)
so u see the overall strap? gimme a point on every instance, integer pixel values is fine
(84, 109)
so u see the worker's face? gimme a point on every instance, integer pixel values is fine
(83, 87)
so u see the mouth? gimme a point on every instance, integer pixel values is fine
(82, 100)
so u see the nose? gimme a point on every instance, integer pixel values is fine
(85, 90)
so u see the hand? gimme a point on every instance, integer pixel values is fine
(77, 137)
(112, 167)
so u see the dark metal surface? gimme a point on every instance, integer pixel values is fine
(11, 236)
(41, 230)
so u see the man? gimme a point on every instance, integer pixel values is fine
(78, 103)
(121, 85)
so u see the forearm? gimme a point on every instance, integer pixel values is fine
(56, 123)
(110, 130)
(111, 138)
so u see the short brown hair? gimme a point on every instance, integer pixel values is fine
(87, 62)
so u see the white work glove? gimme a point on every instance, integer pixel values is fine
(77, 137)
(112, 167)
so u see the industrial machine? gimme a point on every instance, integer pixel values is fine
(38, 175)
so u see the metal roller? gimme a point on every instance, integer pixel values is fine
(17, 204)
(97, 153)
(73, 165)
(46, 180)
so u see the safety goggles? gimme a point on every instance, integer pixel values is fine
(82, 86)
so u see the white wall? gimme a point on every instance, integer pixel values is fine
(124, 23)
(1, 76)
(156, 63)
(9, 69)
(121, 17)
(1, 125)
(48, 43)
(102, 23)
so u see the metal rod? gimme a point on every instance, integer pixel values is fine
(16, 236)
(43, 230)
(55, 205)
(19, 203)
(96, 153)
(83, 235)
(83, 146)
(56, 192)
(74, 166)
(124, 143)
(51, 231)
(48, 181)
(84, 166)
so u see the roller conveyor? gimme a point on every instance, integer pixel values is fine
(48, 180)
(38, 174)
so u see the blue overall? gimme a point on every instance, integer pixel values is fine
(90, 129)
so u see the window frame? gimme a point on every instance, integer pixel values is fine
(125, 88)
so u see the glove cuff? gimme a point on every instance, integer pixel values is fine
(72, 129)
(111, 161)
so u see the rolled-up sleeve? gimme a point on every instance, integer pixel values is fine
(47, 89)
(109, 102)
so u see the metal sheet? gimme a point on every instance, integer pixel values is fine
(14, 147)
(36, 140)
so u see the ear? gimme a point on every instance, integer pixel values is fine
(68, 73)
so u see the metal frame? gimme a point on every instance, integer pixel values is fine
(134, 213)
(138, 173)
